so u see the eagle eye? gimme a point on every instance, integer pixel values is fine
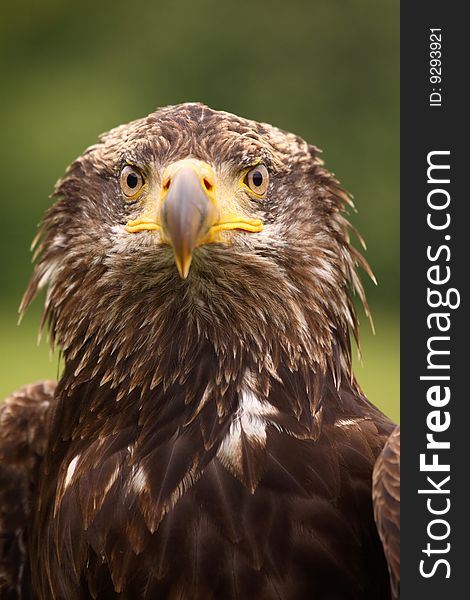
(131, 181)
(257, 180)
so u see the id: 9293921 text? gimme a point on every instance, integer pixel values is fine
(435, 66)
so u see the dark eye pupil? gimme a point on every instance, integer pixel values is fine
(132, 180)
(257, 178)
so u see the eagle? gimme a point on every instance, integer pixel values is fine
(207, 438)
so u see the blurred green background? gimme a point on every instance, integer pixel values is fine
(325, 69)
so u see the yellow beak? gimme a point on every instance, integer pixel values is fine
(186, 216)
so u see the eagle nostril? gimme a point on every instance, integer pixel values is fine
(166, 184)
(208, 185)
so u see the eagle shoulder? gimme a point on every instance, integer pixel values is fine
(386, 498)
(24, 427)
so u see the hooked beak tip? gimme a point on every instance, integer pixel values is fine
(187, 214)
(183, 266)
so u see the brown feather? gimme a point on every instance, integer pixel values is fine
(386, 496)
(24, 430)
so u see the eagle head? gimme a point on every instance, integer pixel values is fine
(190, 227)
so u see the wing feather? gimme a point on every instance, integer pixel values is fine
(386, 497)
(24, 427)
